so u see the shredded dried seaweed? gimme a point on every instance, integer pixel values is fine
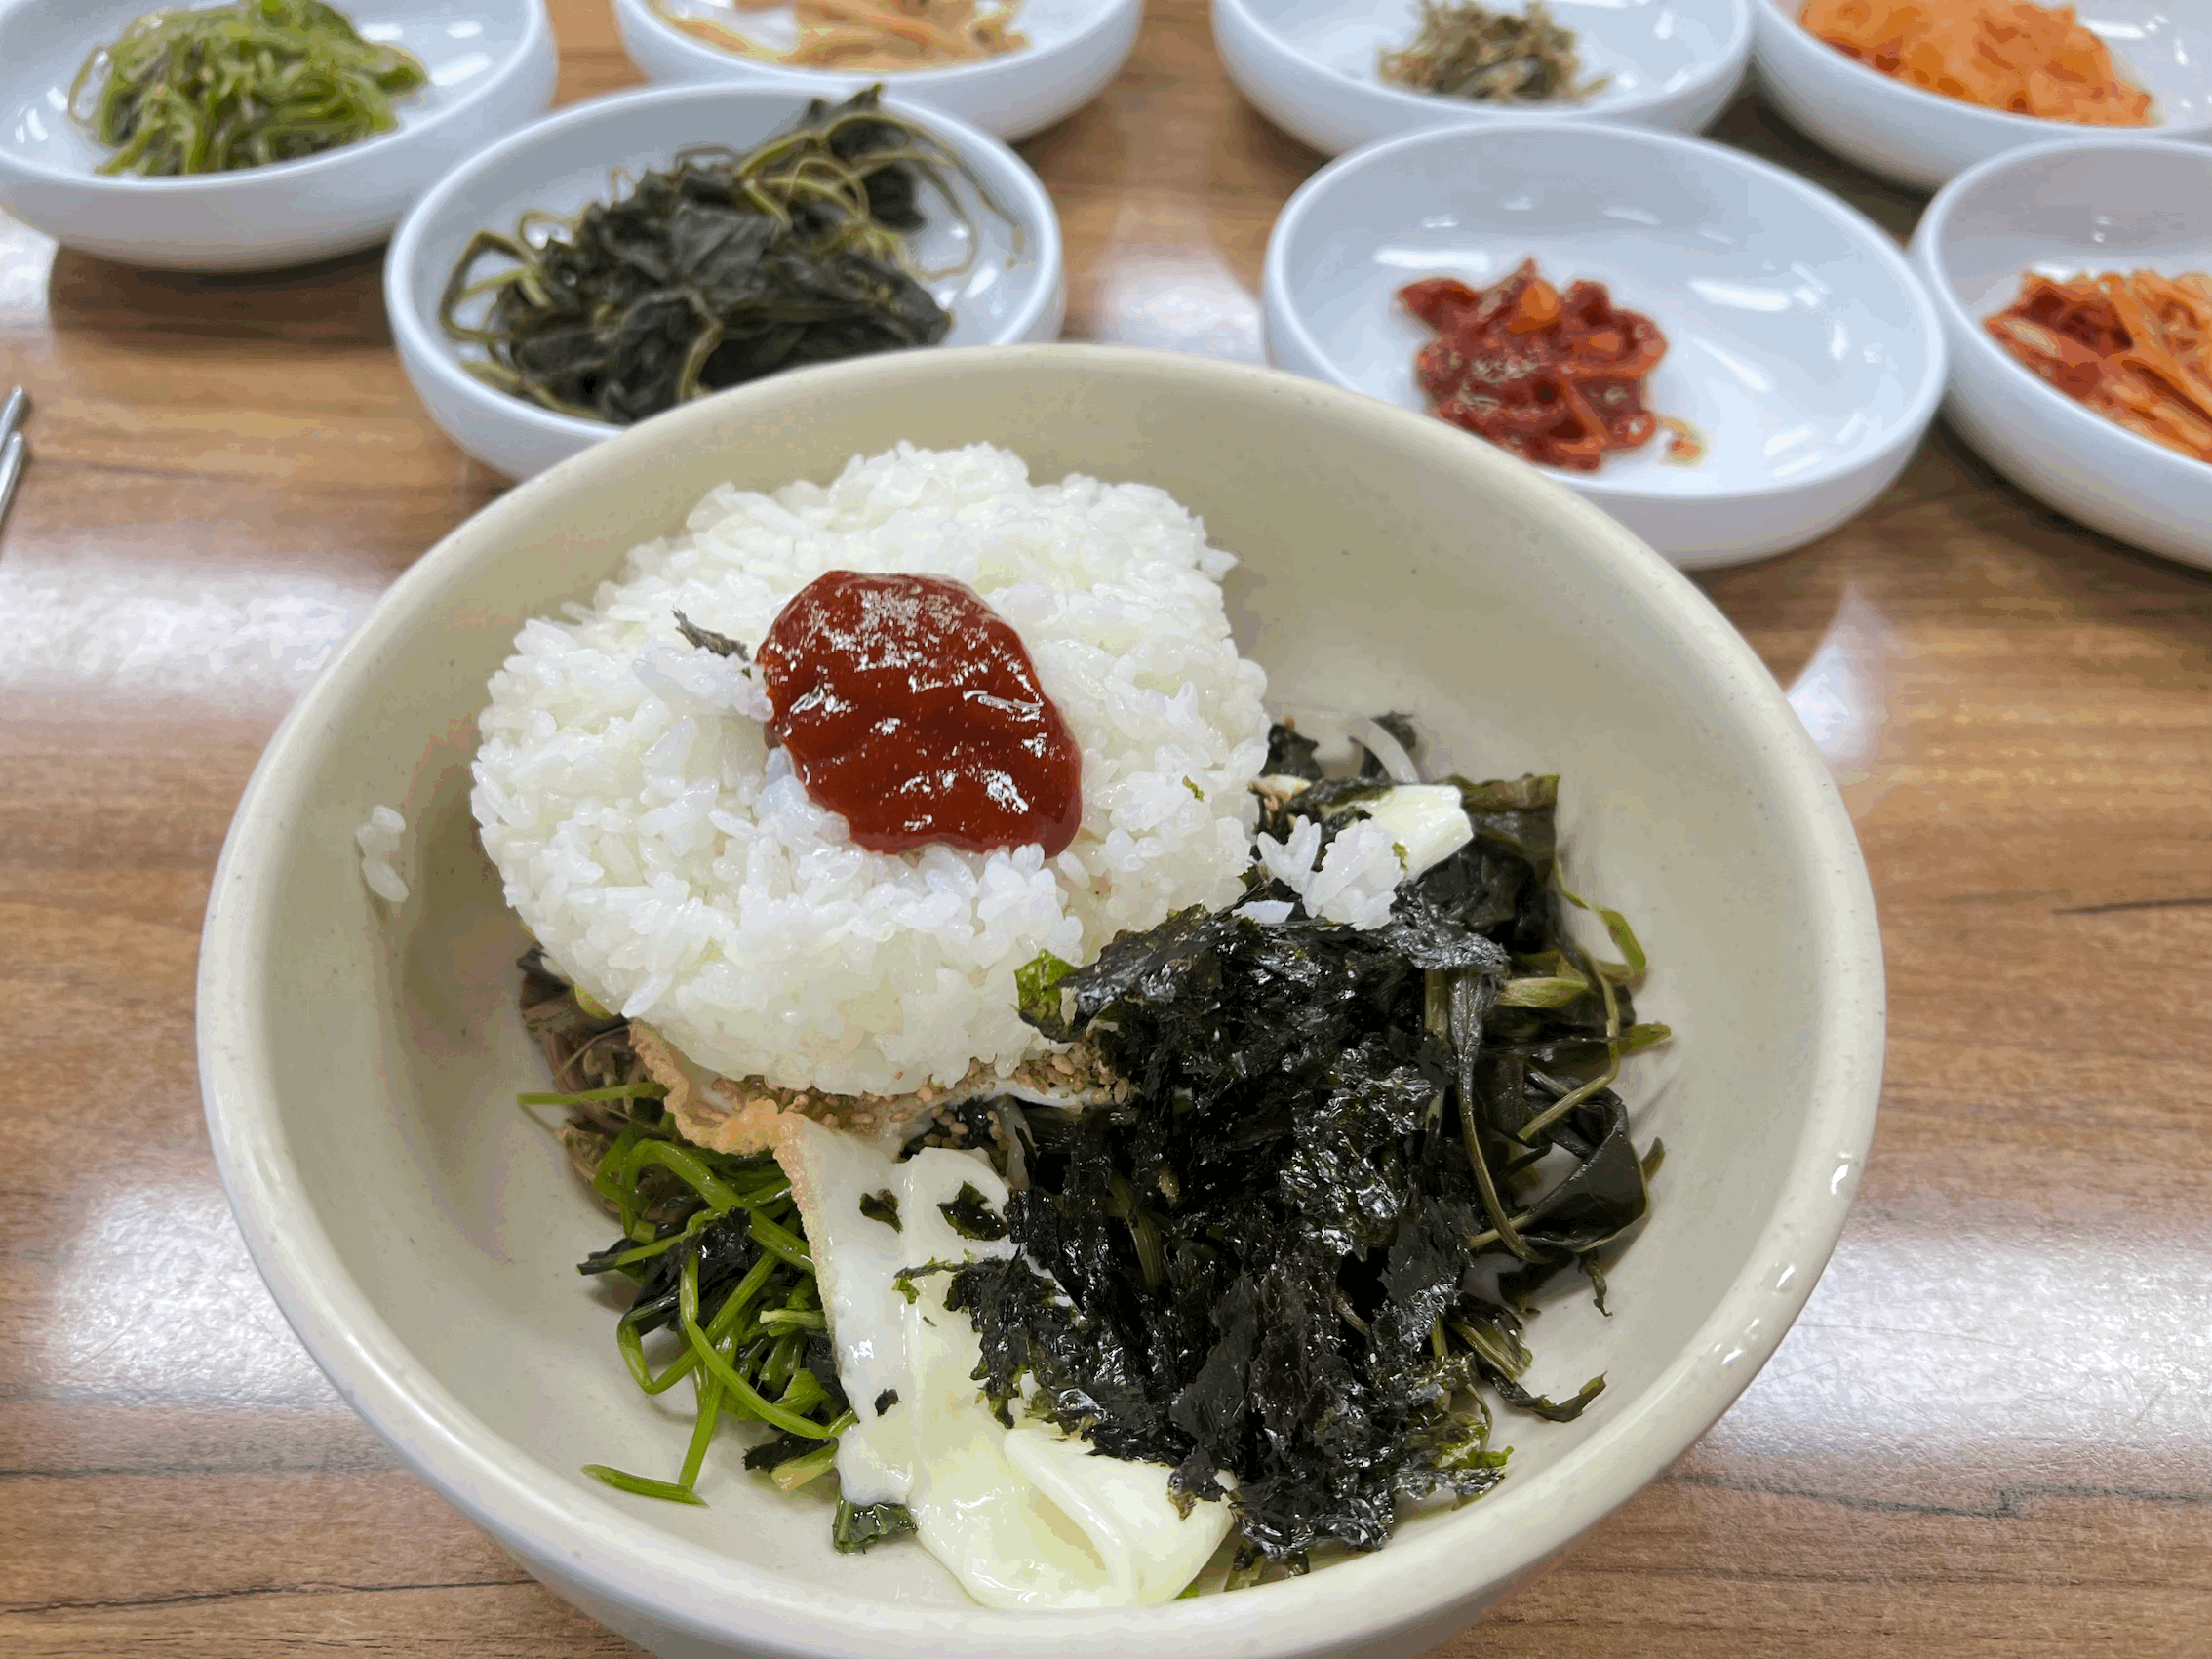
(1468, 51)
(1275, 1260)
(222, 88)
(718, 269)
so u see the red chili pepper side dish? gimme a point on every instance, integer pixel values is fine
(1554, 378)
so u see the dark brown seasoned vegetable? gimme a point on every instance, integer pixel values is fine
(718, 269)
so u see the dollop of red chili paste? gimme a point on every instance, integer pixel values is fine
(912, 708)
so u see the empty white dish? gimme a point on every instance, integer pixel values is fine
(360, 1062)
(492, 65)
(1922, 139)
(1801, 348)
(1075, 47)
(1012, 290)
(2064, 210)
(1309, 65)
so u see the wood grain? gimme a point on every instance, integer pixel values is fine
(1991, 1435)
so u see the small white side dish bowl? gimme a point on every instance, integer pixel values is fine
(1309, 65)
(1800, 346)
(1921, 138)
(1014, 291)
(360, 1061)
(1075, 47)
(2065, 210)
(491, 67)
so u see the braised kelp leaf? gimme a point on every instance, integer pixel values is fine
(1258, 1263)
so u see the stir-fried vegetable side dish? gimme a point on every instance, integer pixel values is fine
(866, 34)
(716, 271)
(1555, 378)
(245, 85)
(1468, 51)
(1290, 1259)
(2135, 347)
(2004, 55)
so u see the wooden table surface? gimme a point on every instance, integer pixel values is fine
(1990, 1435)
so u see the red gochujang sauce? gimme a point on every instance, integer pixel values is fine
(910, 707)
(1555, 378)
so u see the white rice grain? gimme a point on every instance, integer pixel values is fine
(379, 839)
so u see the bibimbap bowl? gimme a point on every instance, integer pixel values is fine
(360, 1058)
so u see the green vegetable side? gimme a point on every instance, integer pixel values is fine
(238, 86)
(1292, 1264)
(718, 269)
(716, 1250)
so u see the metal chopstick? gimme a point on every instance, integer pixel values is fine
(12, 414)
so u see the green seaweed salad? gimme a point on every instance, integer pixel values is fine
(1293, 1261)
(215, 88)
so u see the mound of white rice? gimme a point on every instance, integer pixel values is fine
(671, 864)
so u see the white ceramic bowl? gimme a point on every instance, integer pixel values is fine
(1014, 291)
(492, 65)
(1076, 48)
(360, 1064)
(1922, 139)
(2065, 208)
(1310, 65)
(1801, 346)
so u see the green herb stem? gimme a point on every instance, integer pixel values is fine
(720, 1369)
(643, 1486)
(779, 1242)
(585, 1096)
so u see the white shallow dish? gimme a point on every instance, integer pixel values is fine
(491, 67)
(1076, 48)
(1801, 346)
(1015, 290)
(1309, 65)
(360, 1063)
(2064, 210)
(1922, 139)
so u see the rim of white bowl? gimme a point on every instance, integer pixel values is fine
(1932, 239)
(427, 346)
(1927, 396)
(1430, 107)
(1105, 17)
(2000, 121)
(593, 1542)
(537, 37)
